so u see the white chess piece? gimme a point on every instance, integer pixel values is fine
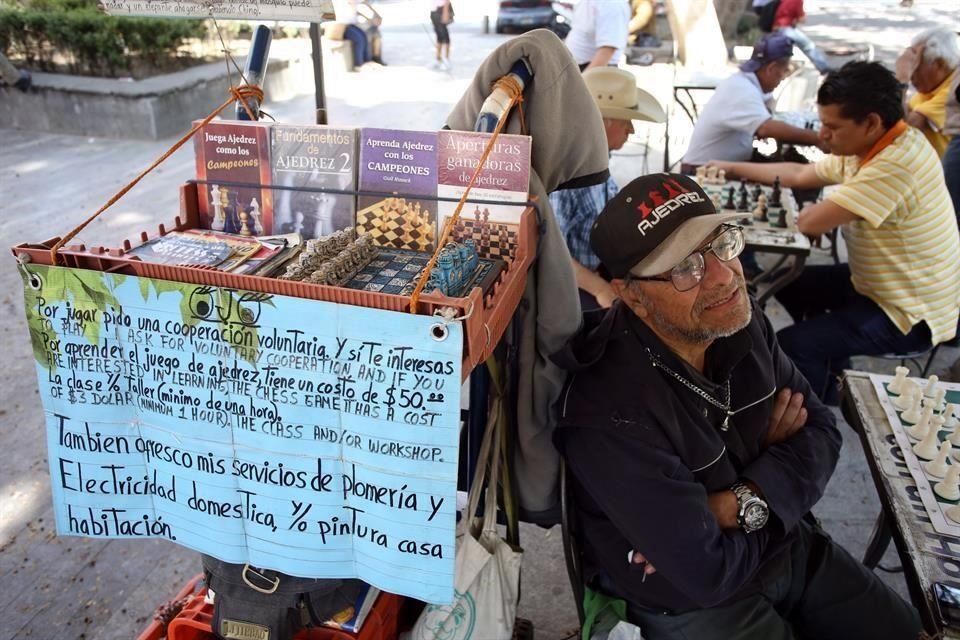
(325, 205)
(953, 513)
(939, 398)
(936, 423)
(949, 487)
(939, 466)
(255, 216)
(897, 382)
(701, 174)
(955, 438)
(912, 415)
(919, 430)
(297, 225)
(909, 387)
(218, 217)
(907, 397)
(931, 389)
(928, 447)
(711, 175)
(722, 176)
(950, 419)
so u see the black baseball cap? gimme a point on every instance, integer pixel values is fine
(653, 224)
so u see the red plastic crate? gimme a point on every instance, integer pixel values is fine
(193, 622)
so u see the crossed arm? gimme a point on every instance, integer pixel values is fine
(677, 528)
(788, 417)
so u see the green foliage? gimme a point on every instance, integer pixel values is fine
(91, 293)
(86, 292)
(47, 32)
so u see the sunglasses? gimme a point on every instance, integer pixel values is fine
(726, 245)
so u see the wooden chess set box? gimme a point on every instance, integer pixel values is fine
(480, 274)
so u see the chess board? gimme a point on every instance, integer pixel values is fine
(396, 271)
(495, 240)
(787, 205)
(935, 505)
(387, 228)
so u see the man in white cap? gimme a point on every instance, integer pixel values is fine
(621, 102)
(695, 447)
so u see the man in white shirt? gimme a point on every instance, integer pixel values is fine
(599, 33)
(739, 111)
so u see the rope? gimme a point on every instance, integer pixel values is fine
(236, 93)
(513, 89)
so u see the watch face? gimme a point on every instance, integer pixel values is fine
(755, 516)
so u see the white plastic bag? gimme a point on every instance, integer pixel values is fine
(487, 577)
(623, 630)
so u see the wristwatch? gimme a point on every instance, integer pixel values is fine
(752, 512)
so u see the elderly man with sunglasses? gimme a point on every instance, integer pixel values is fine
(697, 449)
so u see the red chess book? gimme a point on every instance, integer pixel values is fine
(233, 171)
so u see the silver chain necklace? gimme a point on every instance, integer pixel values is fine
(723, 406)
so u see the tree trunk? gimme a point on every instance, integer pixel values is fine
(728, 13)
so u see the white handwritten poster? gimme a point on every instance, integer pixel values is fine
(316, 439)
(305, 10)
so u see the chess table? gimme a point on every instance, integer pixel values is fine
(926, 555)
(762, 237)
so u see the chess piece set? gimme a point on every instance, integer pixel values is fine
(711, 175)
(925, 410)
(756, 203)
(492, 239)
(333, 259)
(414, 221)
(230, 217)
(456, 264)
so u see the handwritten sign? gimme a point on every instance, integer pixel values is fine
(316, 439)
(306, 10)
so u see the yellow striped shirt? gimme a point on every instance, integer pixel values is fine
(904, 252)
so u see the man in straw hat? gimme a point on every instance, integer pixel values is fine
(696, 447)
(621, 102)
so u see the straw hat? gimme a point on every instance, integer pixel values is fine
(616, 93)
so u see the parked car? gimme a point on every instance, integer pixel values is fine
(522, 15)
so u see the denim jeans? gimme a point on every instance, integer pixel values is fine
(807, 46)
(951, 172)
(358, 39)
(833, 322)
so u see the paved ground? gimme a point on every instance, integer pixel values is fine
(78, 588)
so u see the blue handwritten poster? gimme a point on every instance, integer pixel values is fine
(307, 437)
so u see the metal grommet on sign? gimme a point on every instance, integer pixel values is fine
(438, 331)
(34, 281)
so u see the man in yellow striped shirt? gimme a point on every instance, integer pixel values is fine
(900, 291)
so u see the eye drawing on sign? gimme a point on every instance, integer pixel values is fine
(250, 305)
(201, 303)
